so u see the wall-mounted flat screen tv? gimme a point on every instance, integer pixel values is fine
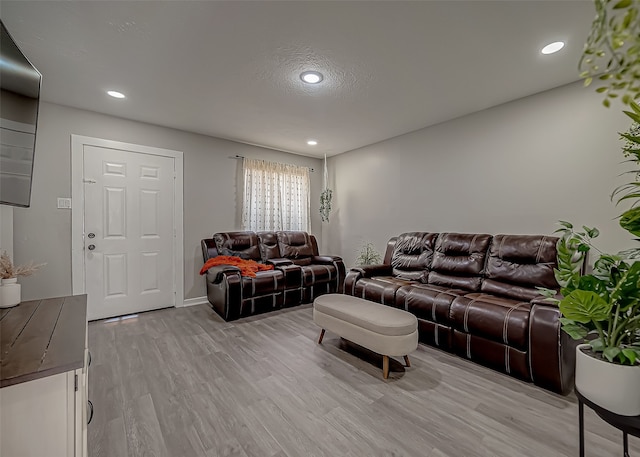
(19, 100)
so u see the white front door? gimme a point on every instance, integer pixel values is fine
(129, 231)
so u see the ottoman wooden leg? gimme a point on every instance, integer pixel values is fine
(385, 366)
(321, 336)
(406, 361)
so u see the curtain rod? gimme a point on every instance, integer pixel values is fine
(242, 157)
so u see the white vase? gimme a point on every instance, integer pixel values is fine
(613, 387)
(10, 293)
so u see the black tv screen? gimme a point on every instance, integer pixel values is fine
(19, 100)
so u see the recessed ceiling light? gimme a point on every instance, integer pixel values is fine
(115, 94)
(311, 77)
(553, 47)
(312, 142)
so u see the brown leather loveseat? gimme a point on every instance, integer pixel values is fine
(475, 295)
(299, 273)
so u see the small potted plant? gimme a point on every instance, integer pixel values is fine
(10, 289)
(368, 255)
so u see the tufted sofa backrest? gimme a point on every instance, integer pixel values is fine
(412, 255)
(209, 249)
(519, 263)
(241, 244)
(296, 246)
(459, 259)
(269, 245)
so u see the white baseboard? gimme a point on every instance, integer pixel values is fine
(193, 301)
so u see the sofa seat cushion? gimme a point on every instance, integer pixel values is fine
(381, 289)
(318, 274)
(265, 283)
(427, 301)
(382, 320)
(495, 318)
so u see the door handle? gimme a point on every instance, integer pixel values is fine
(91, 247)
(90, 405)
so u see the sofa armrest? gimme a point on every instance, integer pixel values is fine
(224, 290)
(338, 264)
(368, 271)
(544, 301)
(551, 350)
(278, 262)
(292, 272)
(326, 259)
(215, 273)
(364, 271)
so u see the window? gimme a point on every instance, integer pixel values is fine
(276, 196)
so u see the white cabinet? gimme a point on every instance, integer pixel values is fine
(44, 417)
(44, 413)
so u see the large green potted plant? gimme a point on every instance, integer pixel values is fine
(603, 306)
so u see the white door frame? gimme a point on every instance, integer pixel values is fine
(77, 213)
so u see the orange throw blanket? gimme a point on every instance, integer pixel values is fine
(247, 267)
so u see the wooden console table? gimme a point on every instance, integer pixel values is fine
(43, 378)
(629, 425)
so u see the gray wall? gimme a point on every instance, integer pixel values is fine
(6, 229)
(515, 168)
(43, 233)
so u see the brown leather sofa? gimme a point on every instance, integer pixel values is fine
(299, 273)
(475, 295)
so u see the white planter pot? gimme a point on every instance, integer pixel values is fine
(614, 387)
(9, 293)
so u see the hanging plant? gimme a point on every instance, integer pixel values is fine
(325, 204)
(325, 196)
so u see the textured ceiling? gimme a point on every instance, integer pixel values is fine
(231, 69)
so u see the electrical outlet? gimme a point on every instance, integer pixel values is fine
(64, 203)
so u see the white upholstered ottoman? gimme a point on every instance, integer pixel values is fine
(379, 328)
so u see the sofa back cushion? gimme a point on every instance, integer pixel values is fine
(209, 249)
(388, 253)
(459, 260)
(412, 255)
(519, 263)
(295, 245)
(240, 244)
(269, 245)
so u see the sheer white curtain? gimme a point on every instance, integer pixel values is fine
(276, 196)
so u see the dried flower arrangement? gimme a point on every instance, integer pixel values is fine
(9, 270)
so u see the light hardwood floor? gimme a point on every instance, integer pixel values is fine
(182, 383)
